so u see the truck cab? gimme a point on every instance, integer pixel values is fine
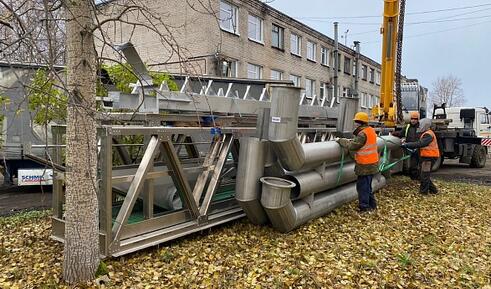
(477, 119)
(414, 98)
(463, 133)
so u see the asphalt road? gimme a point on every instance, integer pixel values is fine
(453, 171)
(16, 199)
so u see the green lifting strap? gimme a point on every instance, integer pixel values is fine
(341, 165)
(386, 164)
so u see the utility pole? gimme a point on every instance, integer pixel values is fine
(346, 37)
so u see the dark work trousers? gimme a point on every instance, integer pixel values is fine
(366, 199)
(414, 167)
(427, 185)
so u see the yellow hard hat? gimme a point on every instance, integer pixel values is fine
(361, 116)
(414, 114)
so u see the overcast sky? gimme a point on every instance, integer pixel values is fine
(456, 41)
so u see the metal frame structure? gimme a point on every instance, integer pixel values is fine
(162, 157)
(181, 191)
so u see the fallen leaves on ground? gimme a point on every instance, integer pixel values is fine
(413, 241)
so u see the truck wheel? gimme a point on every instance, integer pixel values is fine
(478, 157)
(438, 163)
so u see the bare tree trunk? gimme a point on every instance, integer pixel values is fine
(81, 254)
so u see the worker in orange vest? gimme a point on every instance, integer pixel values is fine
(409, 134)
(428, 153)
(363, 149)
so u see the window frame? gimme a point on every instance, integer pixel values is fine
(298, 51)
(347, 68)
(364, 72)
(234, 18)
(261, 28)
(310, 87)
(280, 73)
(232, 68)
(323, 90)
(260, 70)
(372, 75)
(294, 77)
(313, 49)
(281, 37)
(378, 77)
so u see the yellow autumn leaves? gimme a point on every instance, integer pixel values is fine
(413, 241)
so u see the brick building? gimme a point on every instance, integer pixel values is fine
(245, 39)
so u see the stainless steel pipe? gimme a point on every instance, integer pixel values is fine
(276, 201)
(286, 216)
(311, 182)
(250, 170)
(292, 155)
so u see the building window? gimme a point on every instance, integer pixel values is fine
(228, 68)
(276, 74)
(374, 100)
(362, 99)
(377, 77)
(296, 44)
(347, 65)
(311, 51)
(255, 28)
(254, 71)
(228, 17)
(309, 87)
(323, 89)
(346, 92)
(372, 75)
(324, 56)
(364, 70)
(278, 37)
(296, 79)
(354, 73)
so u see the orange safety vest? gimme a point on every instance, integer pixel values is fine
(368, 154)
(430, 151)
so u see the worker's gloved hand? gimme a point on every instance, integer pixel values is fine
(344, 142)
(404, 145)
(336, 139)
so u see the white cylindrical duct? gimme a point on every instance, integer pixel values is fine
(250, 170)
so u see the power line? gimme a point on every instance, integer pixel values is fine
(416, 23)
(437, 20)
(409, 13)
(435, 32)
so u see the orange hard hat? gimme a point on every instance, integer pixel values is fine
(414, 114)
(361, 116)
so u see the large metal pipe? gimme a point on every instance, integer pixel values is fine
(286, 216)
(276, 201)
(283, 134)
(248, 188)
(308, 183)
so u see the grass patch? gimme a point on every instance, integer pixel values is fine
(23, 217)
